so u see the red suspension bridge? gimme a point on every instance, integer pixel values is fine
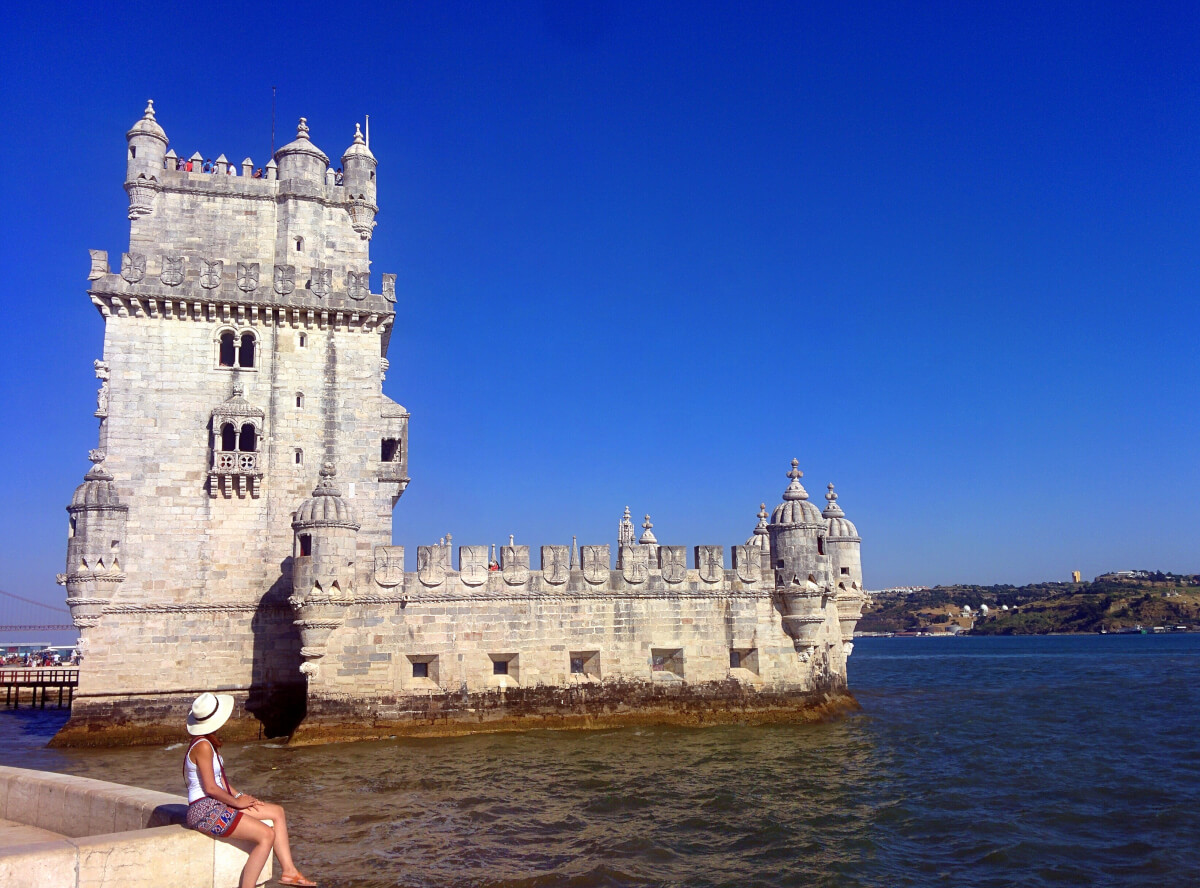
(21, 614)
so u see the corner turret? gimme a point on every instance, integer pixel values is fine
(94, 538)
(144, 160)
(326, 532)
(358, 168)
(844, 546)
(797, 532)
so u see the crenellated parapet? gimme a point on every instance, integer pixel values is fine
(642, 573)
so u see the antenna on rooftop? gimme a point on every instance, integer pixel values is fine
(272, 121)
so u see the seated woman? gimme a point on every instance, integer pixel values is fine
(216, 808)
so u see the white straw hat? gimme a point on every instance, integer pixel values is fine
(209, 712)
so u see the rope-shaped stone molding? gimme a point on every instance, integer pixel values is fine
(227, 607)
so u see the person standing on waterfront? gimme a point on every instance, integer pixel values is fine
(217, 808)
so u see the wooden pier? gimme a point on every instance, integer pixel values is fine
(15, 681)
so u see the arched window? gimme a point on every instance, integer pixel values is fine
(247, 440)
(228, 437)
(299, 399)
(299, 454)
(246, 353)
(303, 340)
(228, 348)
(299, 245)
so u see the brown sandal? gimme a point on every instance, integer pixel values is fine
(298, 880)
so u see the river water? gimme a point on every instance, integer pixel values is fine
(975, 762)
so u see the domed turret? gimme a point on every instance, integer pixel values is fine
(797, 534)
(144, 162)
(95, 535)
(323, 566)
(300, 160)
(358, 166)
(843, 544)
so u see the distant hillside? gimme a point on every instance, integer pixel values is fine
(1109, 603)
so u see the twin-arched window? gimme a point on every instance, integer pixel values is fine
(234, 351)
(244, 441)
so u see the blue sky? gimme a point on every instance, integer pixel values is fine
(647, 253)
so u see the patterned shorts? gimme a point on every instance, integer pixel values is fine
(210, 816)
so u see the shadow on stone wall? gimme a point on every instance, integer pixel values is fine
(278, 695)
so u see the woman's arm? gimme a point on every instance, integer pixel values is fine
(202, 754)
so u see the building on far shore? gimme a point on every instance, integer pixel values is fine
(235, 530)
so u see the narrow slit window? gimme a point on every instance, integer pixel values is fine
(299, 245)
(299, 399)
(303, 340)
(299, 456)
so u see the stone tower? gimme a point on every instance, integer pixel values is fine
(243, 349)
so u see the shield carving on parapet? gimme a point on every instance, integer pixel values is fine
(172, 271)
(358, 285)
(432, 562)
(285, 279)
(247, 277)
(321, 282)
(210, 273)
(710, 562)
(556, 564)
(673, 563)
(514, 564)
(389, 565)
(635, 563)
(133, 267)
(596, 561)
(746, 561)
(389, 287)
(472, 564)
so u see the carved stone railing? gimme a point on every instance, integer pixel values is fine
(234, 472)
(235, 462)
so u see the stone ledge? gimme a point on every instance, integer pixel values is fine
(111, 835)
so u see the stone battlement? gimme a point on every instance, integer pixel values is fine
(641, 570)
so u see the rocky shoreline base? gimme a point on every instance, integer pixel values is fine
(151, 720)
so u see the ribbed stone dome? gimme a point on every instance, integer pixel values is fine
(325, 508)
(840, 527)
(97, 489)
(301, 145)
(795, 508)
(359, 147)
(148, 126)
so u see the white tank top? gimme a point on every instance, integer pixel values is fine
(191, 773)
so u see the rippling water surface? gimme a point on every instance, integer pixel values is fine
(975, 762)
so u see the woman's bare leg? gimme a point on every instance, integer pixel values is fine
(250, 830)
(283, 848)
